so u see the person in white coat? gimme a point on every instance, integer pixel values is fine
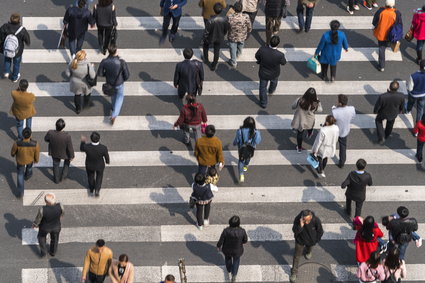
(325, 144)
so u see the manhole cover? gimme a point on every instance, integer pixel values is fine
(313, 272)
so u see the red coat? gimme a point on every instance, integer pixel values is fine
(191, 114)
(363, 248)
(420, 130)
(418, 24)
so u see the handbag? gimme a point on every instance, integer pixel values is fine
(314, 65)
(312, 160)
(89, 81)
(199, 82)
(246, 151)
(409, 35)
(395, 46)
(114, 36)
(108, 89)
(192, 202)
(203, 127)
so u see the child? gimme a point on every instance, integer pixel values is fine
(212, 176)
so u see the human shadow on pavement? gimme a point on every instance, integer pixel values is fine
(75, 174)
(14, 228)
(64, 272)
(8, 125)
(6, 169)
(179, 164)
(205, 251)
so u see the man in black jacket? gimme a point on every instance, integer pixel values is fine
(273, 12)
(96, 156)
(387, 107)
(215, 30)
(356, 182)
(60, 147)
(189, 75)
(15, 28)
(308, 231)
(269, 59)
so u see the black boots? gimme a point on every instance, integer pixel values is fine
(78, 103)
(419, 55)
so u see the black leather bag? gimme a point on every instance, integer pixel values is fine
(108, 89)
(246, 151)
(89, 81)
(199, 82)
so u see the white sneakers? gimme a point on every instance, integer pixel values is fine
(206, 222)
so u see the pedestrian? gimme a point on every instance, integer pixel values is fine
(419, 130)
(416, 91)
(273, 11)
(78, 70)
(96, 156)
(404, 212)
(324, 146)
(104, 14)
(13, 38)
(208, 8)
(88, 3)
(27, 152)
(329, 49)
(344, 115)
(305, 115)
(48, 221)
(60, 147)
(212, 176)
(209, 151)
(121, 271)
(309, 9)
(23, 107)
(170, 9)
(270, 59)
(239, 27)
(352, 5)
(231, 244)
(216, 29)
(394, 267)
(356, 183)
(308, 231)
(387, 107)
(368, 4)
(192, 116)
(383, 20)
(77, 19)
(367, 236)
(250, 7)
(247, 138)
(371, 270)
(418, 30)
(203, 196)
(116, 72)
(96, 263)
(169, 279)
(189, 75)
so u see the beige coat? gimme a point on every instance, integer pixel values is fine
(208, 7)
(325, 143)
(128, 276)
(23, 104)
(304, 119)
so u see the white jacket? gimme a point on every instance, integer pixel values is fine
(325, 143)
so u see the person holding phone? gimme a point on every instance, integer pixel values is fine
(171, 9)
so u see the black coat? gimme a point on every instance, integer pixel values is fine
(23, 37)
(96, 156)
(270, 60)
(274, 8)
(215, 29)
(405, 225)
(310, 234)
(110, 68)
(202, 193)
(60, 144)
(356, 185)
(77, 20)
(186, 76)
(231, 241)
(389, 105)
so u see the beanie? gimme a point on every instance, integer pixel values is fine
(390, 3)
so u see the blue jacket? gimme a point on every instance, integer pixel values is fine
(245, 132)
(166, 4)
(331, 53)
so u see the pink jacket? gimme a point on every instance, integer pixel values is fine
(418, 24)
(367, 274)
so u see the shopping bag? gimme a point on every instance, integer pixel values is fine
(395, 46)
(409, 36)
(314, 65)
(312, 160)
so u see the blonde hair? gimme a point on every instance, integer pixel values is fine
(80, 56)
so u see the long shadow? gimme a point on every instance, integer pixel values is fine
(67, 100)
(64, 272)
(6, 169)
(7, 124)
(207, 252)
(183, 170)
(301, 68)
(154, 124)
(233, 170)
(75, 174)
(14, 228)
(135, 12)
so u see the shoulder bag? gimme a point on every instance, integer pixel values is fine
(246, 151)
(199, 82)
(108, 89)
(89, 81)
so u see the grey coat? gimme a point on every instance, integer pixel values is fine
(304, 119)
(77, 84)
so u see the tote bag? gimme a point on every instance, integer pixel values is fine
(314, 65)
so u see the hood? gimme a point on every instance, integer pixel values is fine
(420, 14)
(356, 178)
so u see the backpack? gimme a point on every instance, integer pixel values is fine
(246, 151)
(396, 31)
(11, 44)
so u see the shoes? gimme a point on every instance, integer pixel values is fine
(418, 242)
(213, 67)
(271, 92)
(415, 135)
(242, 178)
(381, 69)
(356, 7)
(90, 193)
(300, 30)
(381, 142)
(200, 227)
(375, 5)
(6, 75)
(322, 175)
(263, 106)
(27, 177)
(206, 222)
(233, 278)
(245, 168)
(171, 37)
(365, 5)
(21, 196)
(332, 79)
(419, 160)
(42, 255)
(162, 40)
(113, 120)
(340, 165)
(307, 30)
(17, 78)
(293, 278)
(230, 63)
(308, 256)
(349, 11)
(51, 254)
(299, 149)
(324, 77)
(96, 194)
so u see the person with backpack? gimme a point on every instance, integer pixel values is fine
(366, 239)
(203, 195)
(419, 130)
(247, 138)
(395, 268)
(372, 270)
(13, 38)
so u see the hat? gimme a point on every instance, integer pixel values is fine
(390, 3)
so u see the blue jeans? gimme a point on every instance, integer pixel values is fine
(420, 45)
(76, 44)
(117, 100)
(263, 90)
(232, 264)
(420, 103)
(235, 50)
(7, 69)
(241, 165)
(308, 16)
(20, 126)
(24, 172)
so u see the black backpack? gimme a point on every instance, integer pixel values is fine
(246, 151)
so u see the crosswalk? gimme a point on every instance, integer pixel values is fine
(142, 209)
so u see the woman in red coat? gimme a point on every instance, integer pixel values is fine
(418, 28)
(419, 131)
(366, 239)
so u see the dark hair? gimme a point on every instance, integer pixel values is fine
(81, 3)
(123, 258)
(309, 100)
(234, 221)
(249, 123)
(95, 137)
(237, 7)
(26, 133)
(199, 178)
(361, 164)
(100, 243)
(374, 259)
(112, 49)
(367, 229)
(170, 277)
(385, 221)
(394, 85)
(402, 211)
(330, 120)
(212, 171)
(218, 8)
(274, 41)
(60, 124)
(15, 19)
(104, 3)
(392, 261)
(190, 99)
(334, 29)
(210, 131)
(343, 99)
(306, 212)
(23, 85)
(187, 53)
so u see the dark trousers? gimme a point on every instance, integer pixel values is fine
(380, 128)
(359, 205)
(300, 135)
(419, 150)
(251, 16)
(166, 24)
(54, 240)
(232, 264)
(308, 16)
(297, 255)
(325, 71)
(216, 46)
(382, 46)
(263, 90)
(202, 212)
(104, 37)
(93, 278)
(342, 150)
(57, 175)
(76, 44)
(351, 4)
(204, 169)
(322, 164)
(95, 179)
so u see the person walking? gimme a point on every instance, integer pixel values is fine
(305, 115)
(60, 147)
(273, 11)
(383, 20)
(78, 70)
(308, 231)
(203, 196)
(394, 267)
(48, 221)
(104, 14)
(207, 7)
(309, 9)
(216, 29)
(329, 49)
(352, 5)
(96, 156)
(419, 130)
(209, 151)
(418, 30)
(77, 19)
(367, 236)
(371, 270)
(368, 4)
(13, 37)
(189, 75)
(239, 28)
(27, 152)
(356, 183)
(192, 116)
(170, 9)
(270, 59)
(387, 107)
(231, 244)
(23, 107)
(324, 146)
(115, 70)
(250, 7)
(169, 279)
(416, 91)
(96, 263)
(344, 115)
(121, 271)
